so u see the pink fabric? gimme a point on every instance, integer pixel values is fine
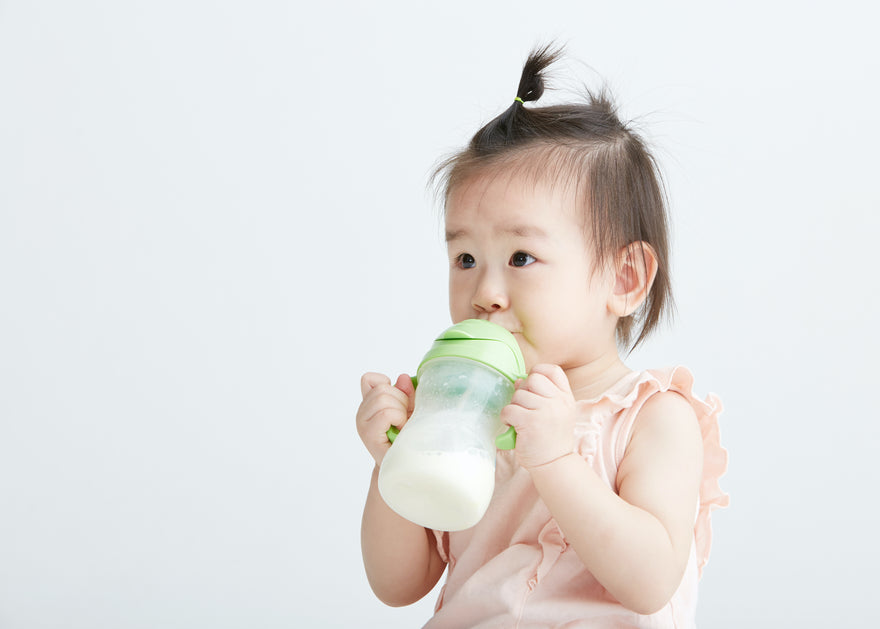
(515, 569)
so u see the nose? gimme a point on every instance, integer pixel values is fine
(490, 294)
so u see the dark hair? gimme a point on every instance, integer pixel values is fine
(586, 145)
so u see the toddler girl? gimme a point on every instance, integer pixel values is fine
(556, 230)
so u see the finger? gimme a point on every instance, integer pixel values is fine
(384, 396)
(540, 384)
(554, 374)
(385, 418)
(513, 415)
(374, 420)
(370, 381)
(527, 399)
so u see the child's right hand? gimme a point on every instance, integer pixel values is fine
(384, 405)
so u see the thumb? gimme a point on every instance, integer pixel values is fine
(405, 384)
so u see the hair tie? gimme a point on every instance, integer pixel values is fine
(520, 100)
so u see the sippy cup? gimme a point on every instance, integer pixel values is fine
(440, 469)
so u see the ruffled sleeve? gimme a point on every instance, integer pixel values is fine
(715, 459)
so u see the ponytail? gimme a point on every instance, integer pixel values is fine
(512, 126)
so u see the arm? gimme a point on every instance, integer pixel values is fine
(400, 558)
(636, 543)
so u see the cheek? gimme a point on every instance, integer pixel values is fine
(459, 304)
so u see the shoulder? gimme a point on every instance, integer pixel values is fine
(666, 420)
(658, 406)
(665, 399)
(665, 435)
(666, 406)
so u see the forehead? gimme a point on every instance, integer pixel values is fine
(514, 202)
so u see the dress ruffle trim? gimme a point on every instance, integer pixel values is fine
(638, 387)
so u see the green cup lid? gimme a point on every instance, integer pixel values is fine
(482, 341)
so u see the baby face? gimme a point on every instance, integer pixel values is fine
(520, 258)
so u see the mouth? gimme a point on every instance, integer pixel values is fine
(514, 331)
(499, 322)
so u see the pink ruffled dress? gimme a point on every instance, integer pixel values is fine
(515, 568)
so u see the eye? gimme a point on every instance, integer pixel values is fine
(521, 258)
(466, 261)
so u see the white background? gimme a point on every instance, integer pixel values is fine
(213, 219)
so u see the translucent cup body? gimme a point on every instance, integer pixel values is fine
(440, 471)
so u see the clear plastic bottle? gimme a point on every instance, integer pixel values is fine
(440, 470)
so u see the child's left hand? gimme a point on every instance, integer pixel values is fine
(542, 411)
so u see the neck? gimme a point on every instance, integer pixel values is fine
(591, 379)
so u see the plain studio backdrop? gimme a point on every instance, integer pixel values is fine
(213, 219)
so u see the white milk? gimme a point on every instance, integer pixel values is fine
(447, 491)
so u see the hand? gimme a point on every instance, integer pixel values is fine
(383, 406)
(542, 411)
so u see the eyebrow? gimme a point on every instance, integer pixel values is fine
(522, 231)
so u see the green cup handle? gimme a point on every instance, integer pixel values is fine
(505, 441)
(392, 433)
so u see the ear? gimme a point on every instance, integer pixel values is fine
(634, 271)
